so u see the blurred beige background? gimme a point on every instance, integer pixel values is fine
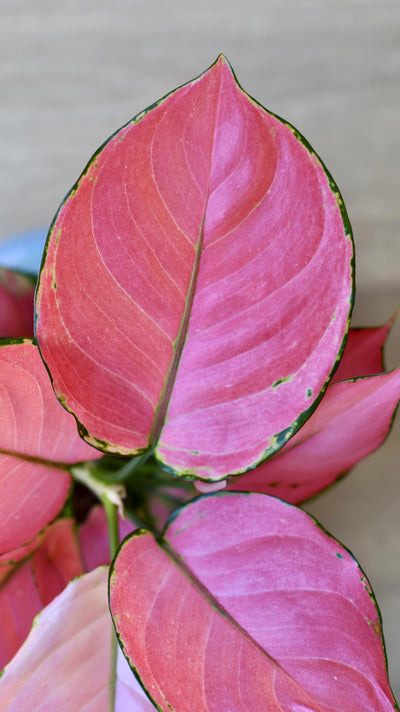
(71, 73)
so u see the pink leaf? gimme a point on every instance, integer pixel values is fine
(363, 354)
(65, 662)
(19, 604)
(5, 569)
(16, 304)
(247, 604)
(59, 555)
(58, 560)
(37, 438)
(34, 584)
(351, 422)
(197, 284)
(12, 557)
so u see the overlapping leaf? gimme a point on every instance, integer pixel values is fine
(363, 355)
(94, 538)
(38, 439)
(197, 283)
(10, 558)
(32, 585)
(62, 552)
(258, 609)
(351, 422)
(64, 664)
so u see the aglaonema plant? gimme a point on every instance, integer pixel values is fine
(192, 312)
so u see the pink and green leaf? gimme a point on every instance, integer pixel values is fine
(258, 608)
(197, 283)
(38, 440)
(66, 658)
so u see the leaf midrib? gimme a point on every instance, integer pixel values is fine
(37, 460)
(164, 401)
(182, 566)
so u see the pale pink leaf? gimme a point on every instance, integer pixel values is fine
(38, 439)
(351, 422)
(247, 604)
(197, 283)
(64, 664)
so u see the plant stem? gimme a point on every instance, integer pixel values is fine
(130, 467)
(111, 511)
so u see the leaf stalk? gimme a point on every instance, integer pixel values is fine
(111, 511)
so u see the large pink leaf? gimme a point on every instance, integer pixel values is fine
(352, 421)
(246, 604)
(16, 304)
(38, 439)
(197, 284)
(64, 664)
